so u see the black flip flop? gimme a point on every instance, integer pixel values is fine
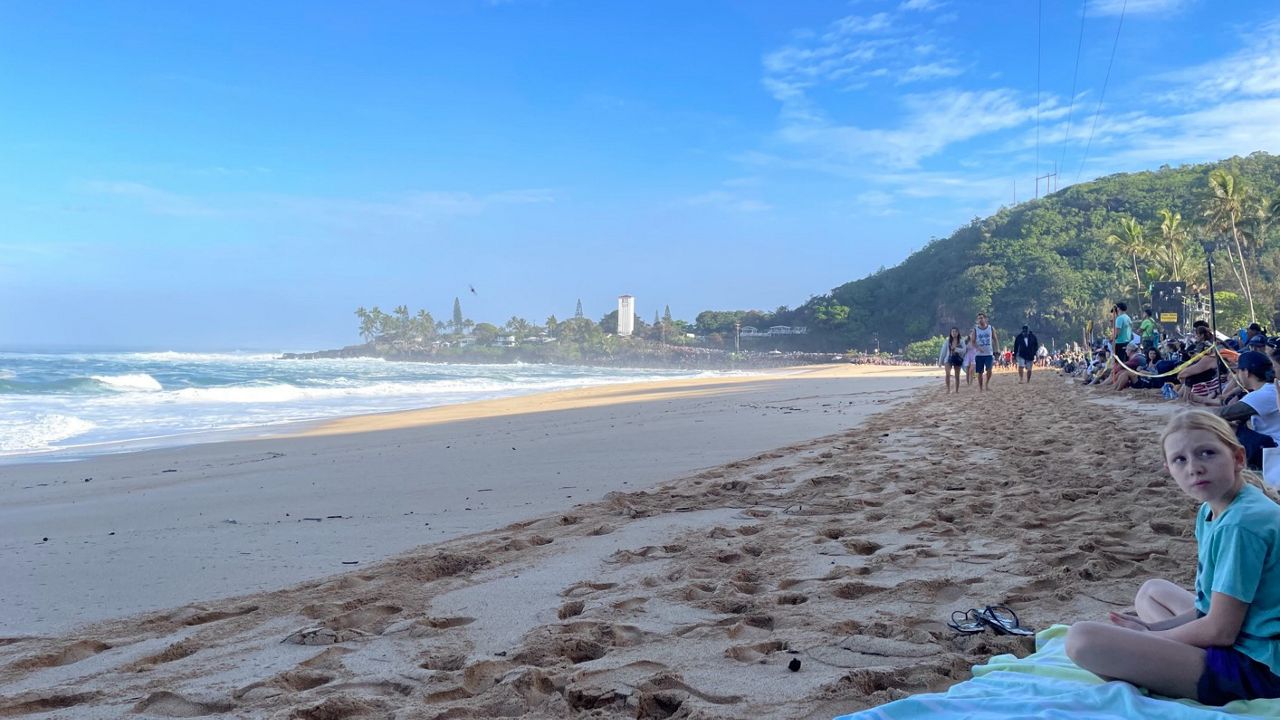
(1004, 621)
(969, 622)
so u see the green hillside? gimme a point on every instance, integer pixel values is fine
(1049, 262)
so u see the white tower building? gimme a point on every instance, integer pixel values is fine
(626, 315)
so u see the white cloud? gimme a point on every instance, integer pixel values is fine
(857, 25)
(1252, 71)
(968, 143)
(1218, 109)
(921, 5)
(1133, 7)
(853, 51)
(928, 71)
(933, 121)
(1236, 127)
(150, 199)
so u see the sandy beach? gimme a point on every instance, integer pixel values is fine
(645, 551)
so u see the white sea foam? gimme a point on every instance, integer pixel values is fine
(129, 382)
(210, 392)
(39, 433)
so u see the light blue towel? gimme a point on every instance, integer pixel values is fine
(1047, 685)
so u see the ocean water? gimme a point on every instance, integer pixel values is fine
(67, 405)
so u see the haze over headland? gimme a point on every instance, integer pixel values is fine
(244, 176)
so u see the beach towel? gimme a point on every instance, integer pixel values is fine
(1047, 684)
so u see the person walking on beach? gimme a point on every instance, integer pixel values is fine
(1025, 347)
(952, 356)
(1222, 642)
(983, 338)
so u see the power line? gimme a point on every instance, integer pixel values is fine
(1039, 25)
(1084, 6)
(1103, 95)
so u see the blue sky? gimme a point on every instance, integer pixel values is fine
(243, 175)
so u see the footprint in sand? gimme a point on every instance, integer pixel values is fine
(172, 653)
(36, 702)
(73, 653)
(630, 604)
(197, 615)
(755, 653)
(341, 706)
(292, 681)
(571, 609)
(449, 622)
(580, 589)
(171, 704)
(445, 661)
(373, 619)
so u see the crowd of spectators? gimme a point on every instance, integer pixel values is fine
(1231, 375)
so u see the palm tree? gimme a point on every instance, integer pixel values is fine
(366, 323)
(1131, 242)
(1172, 251)
(425, 325)
(1225, 208)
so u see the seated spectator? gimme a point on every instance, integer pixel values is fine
(1256, 416)
(1136, 361)
(1200, 379)
(1151, 367)
(1255, 335)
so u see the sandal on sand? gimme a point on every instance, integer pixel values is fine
(1003, 620)
(967, 622)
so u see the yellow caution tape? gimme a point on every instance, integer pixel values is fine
(1174, 371)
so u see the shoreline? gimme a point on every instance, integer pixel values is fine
(590, 396)
(85, 451)
(141, 531)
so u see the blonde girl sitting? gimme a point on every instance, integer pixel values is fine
(1223, 642)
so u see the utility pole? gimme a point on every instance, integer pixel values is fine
(737, 337)
(1047, 177)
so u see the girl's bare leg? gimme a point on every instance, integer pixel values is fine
(1161, 600)
(1159, 664)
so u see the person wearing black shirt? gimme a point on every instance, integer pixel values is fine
(1025, 346)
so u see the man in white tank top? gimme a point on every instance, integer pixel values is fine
(984, 339)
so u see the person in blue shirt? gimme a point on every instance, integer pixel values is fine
(1123, 331)
(1221, 643)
